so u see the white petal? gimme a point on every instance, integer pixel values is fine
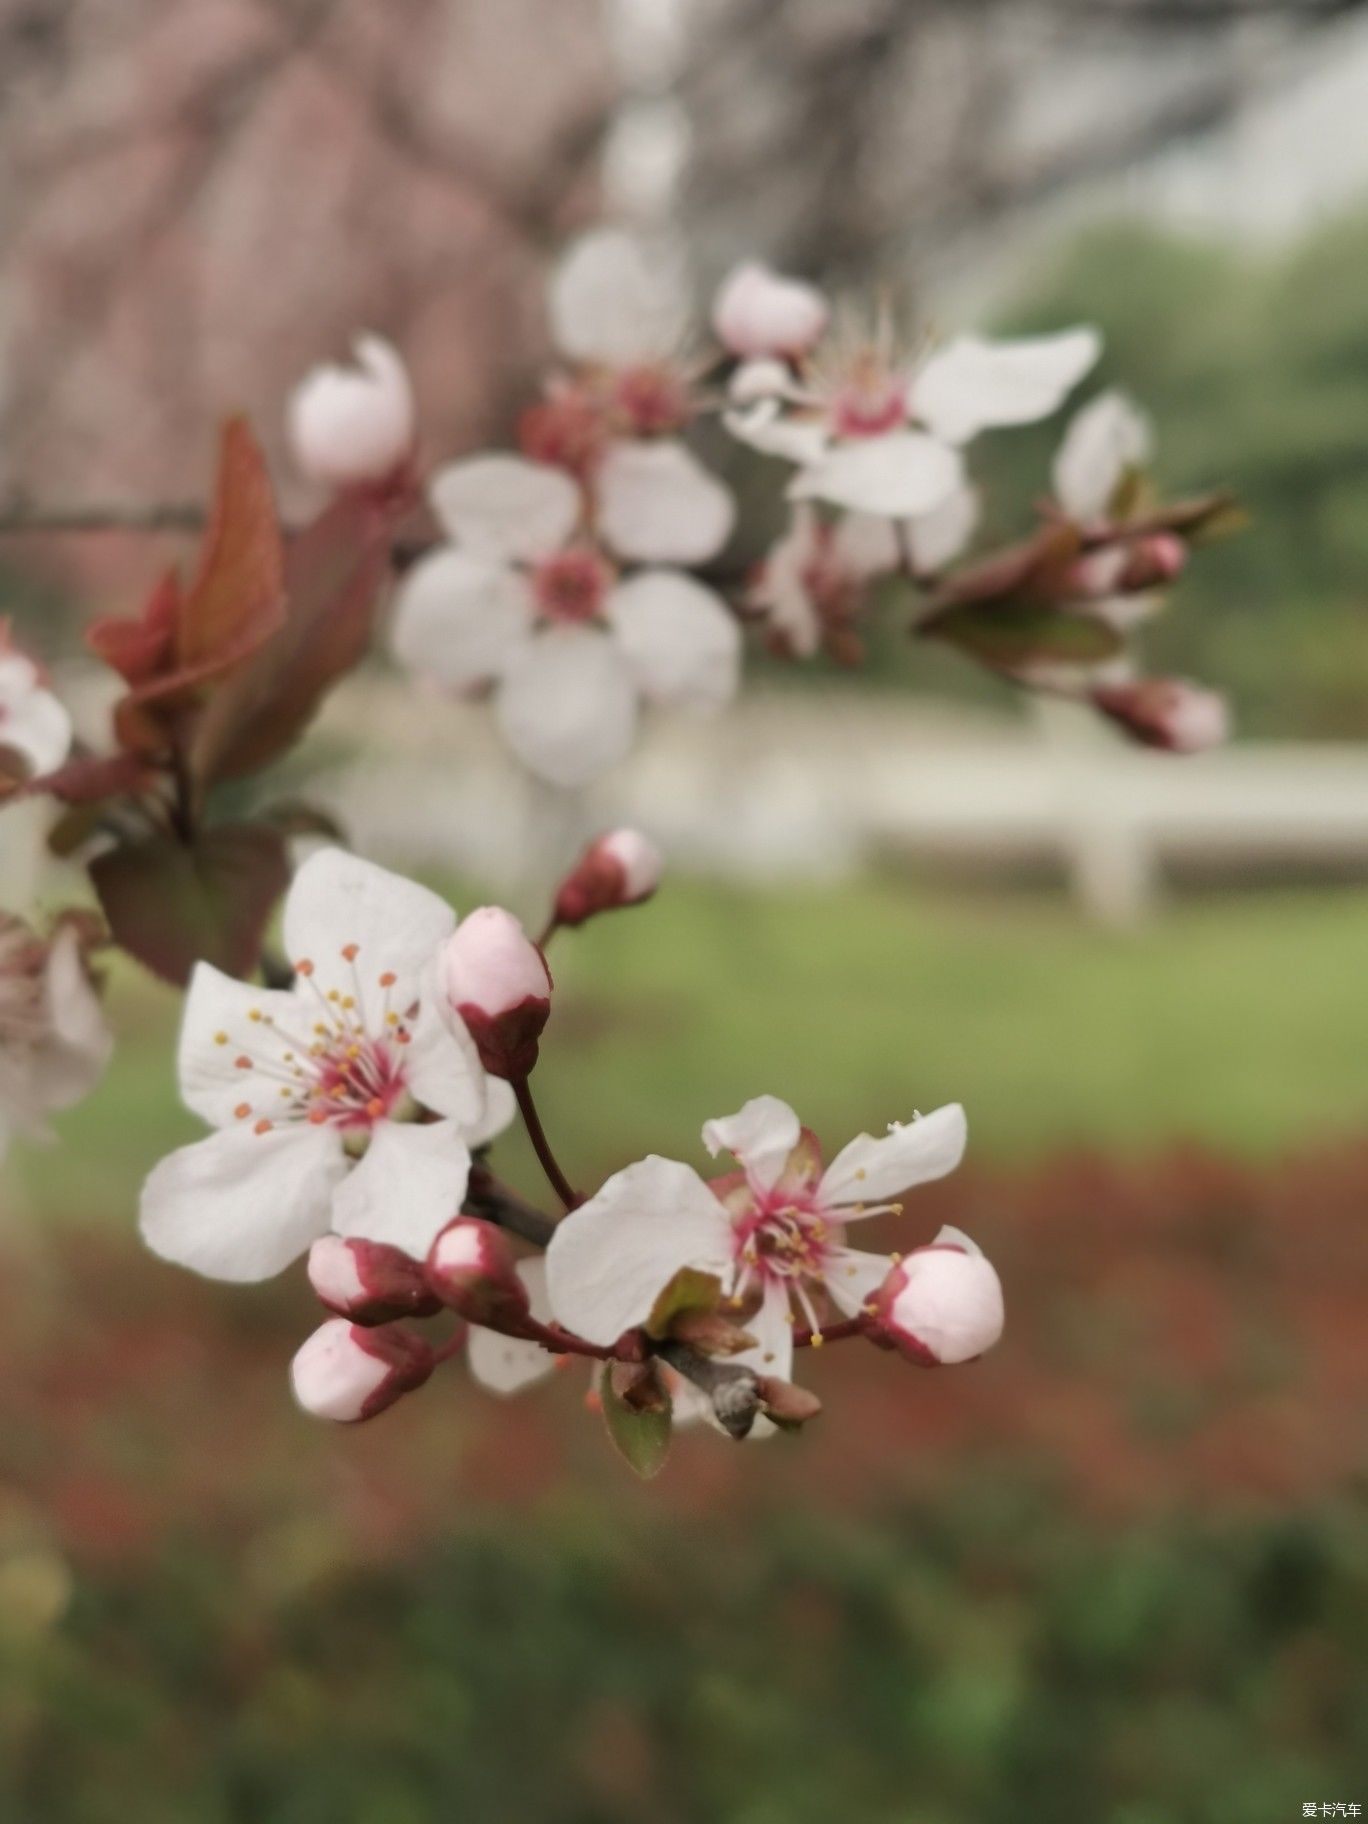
(32, 721)
(782, 586)
(353, 424)
(407, 1188)
(902, 474)
(865, 545)
(441, 1066)
(610, 1260)
(218, 1029)
(505, 507)
(766, 427)
(568, 706)
(936, 538)
(507, 1364)
(854, 1276)
(972, 384)
(1109, 436)
(948, 1237)
(242, 1205)
(458, 618)
(681, 641)
(657, 504)
(869, 1170)
(337, 901)
(612, 300)
(67, 1063)
(760, 1136)
(772, 1328)
(500, 1108)
(758, 311)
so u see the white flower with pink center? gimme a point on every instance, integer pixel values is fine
(33, 724)
(772, 1232)
(530, 601)
(874, 428)
(347, 1103)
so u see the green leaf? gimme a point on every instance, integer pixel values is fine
(1008, 635)
(641, 1436)
(171, 906)
(689, 1290)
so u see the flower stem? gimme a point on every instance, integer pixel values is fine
(541, 1146)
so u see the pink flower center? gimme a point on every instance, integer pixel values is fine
(869, 400)
(782, 1239)
(342, 1068)
(572, 586)
(652, 400)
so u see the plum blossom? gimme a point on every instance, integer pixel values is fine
(33, 724)
(875, 429)
(941, 1304)
(54, 1043)
(347, 1103)
(525, 601)
(772, 1232)
(353, 426)
(623, 868)
(346, 1372)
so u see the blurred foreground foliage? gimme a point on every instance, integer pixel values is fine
(985, 1660)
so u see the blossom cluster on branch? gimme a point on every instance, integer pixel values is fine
(358, 1072)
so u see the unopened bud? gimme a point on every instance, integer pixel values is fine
(369, 1281)
(471, 1267)
(353, 426)
(942, 1304)
(1166, 713)
(346, 1373)
(785, 1402)
(760, 312)
(1153, 561)
(495, 978)
(620, 869)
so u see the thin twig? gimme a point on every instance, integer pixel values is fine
(541, 1146)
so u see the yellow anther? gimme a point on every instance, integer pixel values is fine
(220, 1038)
(255, 1016)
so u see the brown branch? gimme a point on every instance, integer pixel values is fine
(735, 1391)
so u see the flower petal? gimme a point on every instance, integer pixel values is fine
(225, 1022)
(568, 706)
(772, 1328)
(508, 1364)
(459, 618)
(612, 301)
(936, 538)
(766, 427)
(32, 721)
(657, 504)
(340, 903)
(1108, 437)
(761, 1136)
(609, 1260)
(681, 641)
(441, 1066)
(242, 1205)
(972, 384)
(869, 1170)
(505, 507)
(67, 1063)
(407, 1188)
(863, 545)
(902, 474)
(854, 1276)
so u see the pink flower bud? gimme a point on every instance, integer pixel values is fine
(369, 1281)
(941, 1304)
(759, 312)
(470, 1267)
(1153, 561)
(1166, 713)
(346, 1373)
(620, 869)
(353, 426)
(496, 979)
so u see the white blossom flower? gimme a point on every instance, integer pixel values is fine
(320, 1092)
(874, 431)
(54, 1043)
(942, 1304)
(352, 425)
(520, 601)
(760, 312)
(1107, 439)
(33, 724)
(775, 1230)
